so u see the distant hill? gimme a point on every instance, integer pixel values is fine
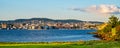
(46, 20)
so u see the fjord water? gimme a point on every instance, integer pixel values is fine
(45, 35)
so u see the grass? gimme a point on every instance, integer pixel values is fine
(78, 44)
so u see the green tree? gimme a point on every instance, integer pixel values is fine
(113, 21)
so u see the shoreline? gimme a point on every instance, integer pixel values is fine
(54, 41)
(47, 43)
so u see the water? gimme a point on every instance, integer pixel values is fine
(45, 35)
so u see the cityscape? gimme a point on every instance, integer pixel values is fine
(59, 23)
(36, 24)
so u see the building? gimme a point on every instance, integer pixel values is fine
(3, 26)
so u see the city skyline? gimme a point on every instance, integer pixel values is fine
(94, 10)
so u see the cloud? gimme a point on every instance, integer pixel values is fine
(101, 9)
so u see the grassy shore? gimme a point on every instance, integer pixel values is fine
(77, 44)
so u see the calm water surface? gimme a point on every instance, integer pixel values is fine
(45, 35)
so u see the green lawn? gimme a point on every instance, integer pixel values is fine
(79, 44)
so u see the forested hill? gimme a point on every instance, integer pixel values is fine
(46, 20)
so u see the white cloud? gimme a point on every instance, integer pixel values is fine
(101, 9)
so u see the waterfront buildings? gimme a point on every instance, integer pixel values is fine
(39, 25)
(3, 26)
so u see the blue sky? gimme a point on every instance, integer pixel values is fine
(54, 9)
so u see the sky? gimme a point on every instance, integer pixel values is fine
(86, 10)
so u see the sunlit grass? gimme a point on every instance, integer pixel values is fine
(78, 44)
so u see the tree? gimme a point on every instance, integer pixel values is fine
(113, 21)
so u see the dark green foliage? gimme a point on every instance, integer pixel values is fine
(113, 21)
